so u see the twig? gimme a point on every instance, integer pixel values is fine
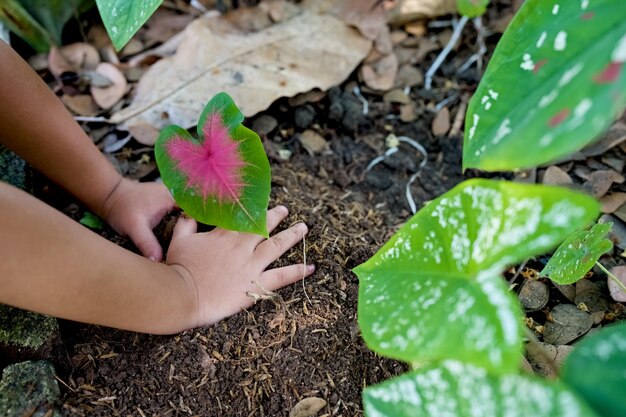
(610, 275)
(458, 28)
(304, 270)
(519, 271)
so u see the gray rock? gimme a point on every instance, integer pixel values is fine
(304, 116)
(29, 389)
(27, 335)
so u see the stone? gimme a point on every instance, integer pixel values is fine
(264, 125)
(304, 116)
(29, 389)
(27, 335)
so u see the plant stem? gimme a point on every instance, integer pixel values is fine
(613, 277)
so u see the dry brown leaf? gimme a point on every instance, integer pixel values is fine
(441, 122)
(556, 176)
(615, 136)
(612, 202)
(396, 96)
(409, 10)
(144, 133)
(307, 407)
(617, 293)
(398, 36)
(410, 76)
(408, 113)
(599, 182)
(73, 57)
(162, 25)
(361, 14)
(380, 75)
(308, 51)
(81, 104)
(417, 29)
(107, 97)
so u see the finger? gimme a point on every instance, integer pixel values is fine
(146, 242)
(185, 226)
(274, 217)
(279, 277)
(272, 248)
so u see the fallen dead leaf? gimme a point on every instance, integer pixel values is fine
(546, 359)
(599, 182)
(568, 323)
(617, 293)
(73, 57)
(408, 112)
(307, 407)
(398, 36)
(409, 76)
(81, 104)
(381, 74)
(368, 17)
(441, 122)
(612, 202)
(308, 51)
(556, 176)
(162, 25)
(313, 142)
(533, 295)
(107, 97)
(144, 133)
(410, 10)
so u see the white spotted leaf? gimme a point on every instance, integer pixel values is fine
(123, 18)
(596, 370)
(578, 254)
(455, 389)
(434, 291)
(555, 82)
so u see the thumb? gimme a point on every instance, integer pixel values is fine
(146, 242)
(185, 226)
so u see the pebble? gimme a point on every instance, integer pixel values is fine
(304, 116)
(264, 125)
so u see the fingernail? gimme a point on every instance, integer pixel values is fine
(152, 258)
(310, 268)
(282, 209)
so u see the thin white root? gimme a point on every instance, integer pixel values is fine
(366, 105)
(304, 270)
(482, 49)
(458, 28)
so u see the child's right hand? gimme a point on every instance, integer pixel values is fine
(222, 267)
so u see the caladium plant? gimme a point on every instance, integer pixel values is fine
(223, 177)
(555, 81)
(123, 18)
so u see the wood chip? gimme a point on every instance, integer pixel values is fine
(396, 96)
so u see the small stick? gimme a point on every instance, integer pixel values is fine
(482, 49)
(304, 270)
(613, 277)
(444, 53)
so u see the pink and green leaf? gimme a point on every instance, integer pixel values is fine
(223, 178)
(555, 82)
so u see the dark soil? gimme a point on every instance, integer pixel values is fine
(306, 343)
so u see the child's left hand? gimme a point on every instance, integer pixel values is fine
(133, 209)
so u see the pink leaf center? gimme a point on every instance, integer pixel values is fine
(558, 118)
(212, 168)
(609, 74)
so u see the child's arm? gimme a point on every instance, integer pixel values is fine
(54, 265)
(35, 125)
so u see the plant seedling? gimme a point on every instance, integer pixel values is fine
(578, 254)
(92, 221)
(222, 178)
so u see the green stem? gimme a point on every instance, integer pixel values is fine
(613, 277)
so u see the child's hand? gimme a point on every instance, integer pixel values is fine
(223, 267)
(133, 209)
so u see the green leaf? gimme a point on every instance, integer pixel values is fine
(123, 18)
(434, 291)
(455, 389)
(472, 8)
(222, 179)
(556, 80)
(54, 14)
(578, 254)
(92, 221)
(20, 22)
(596, 370)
